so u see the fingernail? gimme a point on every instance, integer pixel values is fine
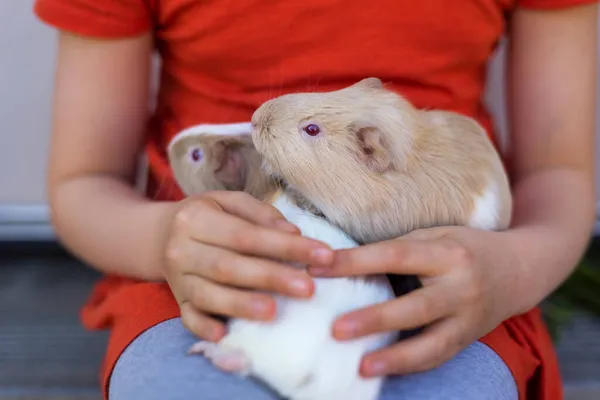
(216, 333)
(322, 256)
(286, 226)
(260, 309)
(300, 286)
(346, 329)
(375, 367)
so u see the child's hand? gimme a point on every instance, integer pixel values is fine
(218, 246)
(468, 289)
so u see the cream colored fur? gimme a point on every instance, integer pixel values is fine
(381, 168)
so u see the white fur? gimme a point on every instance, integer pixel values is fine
(233, 129)
(296, 354)
(486, 211)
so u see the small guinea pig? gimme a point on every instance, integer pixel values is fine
(218, 157)
(377, 167)
(294, 355)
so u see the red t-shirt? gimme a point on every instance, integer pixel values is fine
(222, 59)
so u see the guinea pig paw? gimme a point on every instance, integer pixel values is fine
(225, 359)
(200, 347)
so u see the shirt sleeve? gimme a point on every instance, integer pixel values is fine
(553, 4)
(97, 18)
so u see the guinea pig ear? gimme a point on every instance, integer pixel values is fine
(370, 83)
(229, 160)
(372, 148)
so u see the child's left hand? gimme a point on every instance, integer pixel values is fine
(468, 279)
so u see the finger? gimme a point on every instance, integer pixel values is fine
(435, 345)
(432, 233)
(200, 324)
(245, 206)
(413, 310)
(210, 297)
(228, 231)
(232, 269)
(405, 257)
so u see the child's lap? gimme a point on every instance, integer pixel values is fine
(156, 363)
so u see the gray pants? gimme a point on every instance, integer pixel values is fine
(156, 367)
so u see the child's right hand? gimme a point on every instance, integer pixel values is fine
(219, 244)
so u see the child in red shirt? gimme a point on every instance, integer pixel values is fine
(164, 256)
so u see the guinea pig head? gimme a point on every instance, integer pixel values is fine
(338, 148)
(204, 162)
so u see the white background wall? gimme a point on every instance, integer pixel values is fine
(27, 53)
(26, 73)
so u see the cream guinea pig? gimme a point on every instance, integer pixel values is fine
(372, 164)
(369, 162)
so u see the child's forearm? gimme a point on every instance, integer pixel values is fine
(123, 231)
(554, 216)
(551, 143)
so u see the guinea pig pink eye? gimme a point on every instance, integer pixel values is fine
(312, 129)
(196, 155)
